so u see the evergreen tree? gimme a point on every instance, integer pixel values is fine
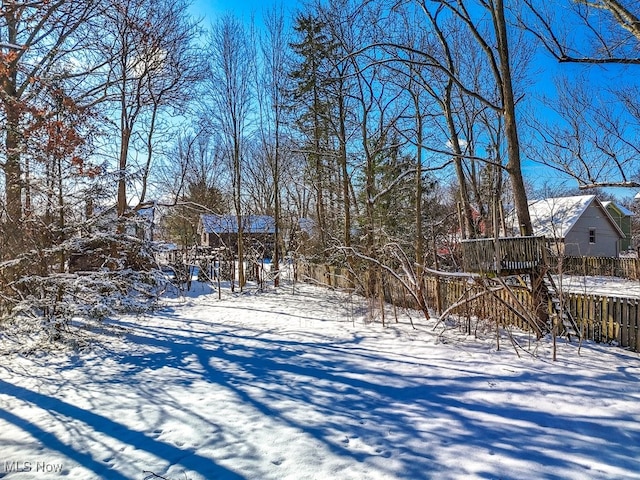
(311, 76)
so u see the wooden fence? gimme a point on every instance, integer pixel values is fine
(600, 318)
(598, 266)
(512, 254)
(607, 319)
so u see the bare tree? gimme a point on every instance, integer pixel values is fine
(591, 138)
(271, 88)
(594, 130)
(148, 46)
(229, 97)
(609, 30)
(193, 184)
(173, 85)
(485, 23)
(451, 48)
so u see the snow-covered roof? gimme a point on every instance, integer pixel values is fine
(625, 211)
(554, 217)
(212, 223)
(307, 225)
(165, 246)
(146, 213)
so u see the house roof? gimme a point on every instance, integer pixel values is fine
(307, 225)
(555, 217)
(623, 210)
(212, 223)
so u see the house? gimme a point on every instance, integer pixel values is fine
(622, 217)
(139, 223)
(144, 223)
(95, 246)
(577, 226)
(221, 231)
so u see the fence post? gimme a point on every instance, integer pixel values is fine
(624, 324)
(635, 332)
(599, 318)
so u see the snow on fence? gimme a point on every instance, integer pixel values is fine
(601, 318)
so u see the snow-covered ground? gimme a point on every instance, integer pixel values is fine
(302, 386)
(607, 286)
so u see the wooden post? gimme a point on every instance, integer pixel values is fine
(624, 324)
(636, 326)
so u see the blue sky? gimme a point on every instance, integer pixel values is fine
(211, 10)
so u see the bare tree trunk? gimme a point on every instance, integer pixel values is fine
(122, 172)
(318, 181)
(419, 253)
(238, 207)
(346, 183)
(13, 184)
(147, 166)
(231, 73)
(513, 167)
(276, 210)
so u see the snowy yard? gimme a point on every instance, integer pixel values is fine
(607, 286)
(282, 386)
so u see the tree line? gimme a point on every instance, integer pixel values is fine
(393, 126)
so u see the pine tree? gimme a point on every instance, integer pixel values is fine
(311, 76)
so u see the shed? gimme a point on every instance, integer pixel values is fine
(578, 225)
(221, 231)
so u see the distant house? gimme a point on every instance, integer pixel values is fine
(449, 242)
(221, 231)
(94, 246)
(137, 223)
(577, 226)
(622, 216)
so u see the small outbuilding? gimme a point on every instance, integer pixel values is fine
(579, 225)
(622, 216)
(221, 231)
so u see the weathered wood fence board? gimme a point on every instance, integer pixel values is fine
(600, 318)
(503, 254)
(598, 266)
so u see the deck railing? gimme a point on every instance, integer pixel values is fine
(507, 254)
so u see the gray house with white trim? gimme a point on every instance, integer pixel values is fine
(577, 226)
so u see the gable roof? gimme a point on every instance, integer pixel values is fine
(555, 217)
(212, 223)
(623, 210)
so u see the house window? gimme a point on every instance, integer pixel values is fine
(592, 235)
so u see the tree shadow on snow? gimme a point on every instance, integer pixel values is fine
(342, 396)
(341, 393)
(98, 423)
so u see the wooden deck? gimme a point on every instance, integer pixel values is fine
(503, 256)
